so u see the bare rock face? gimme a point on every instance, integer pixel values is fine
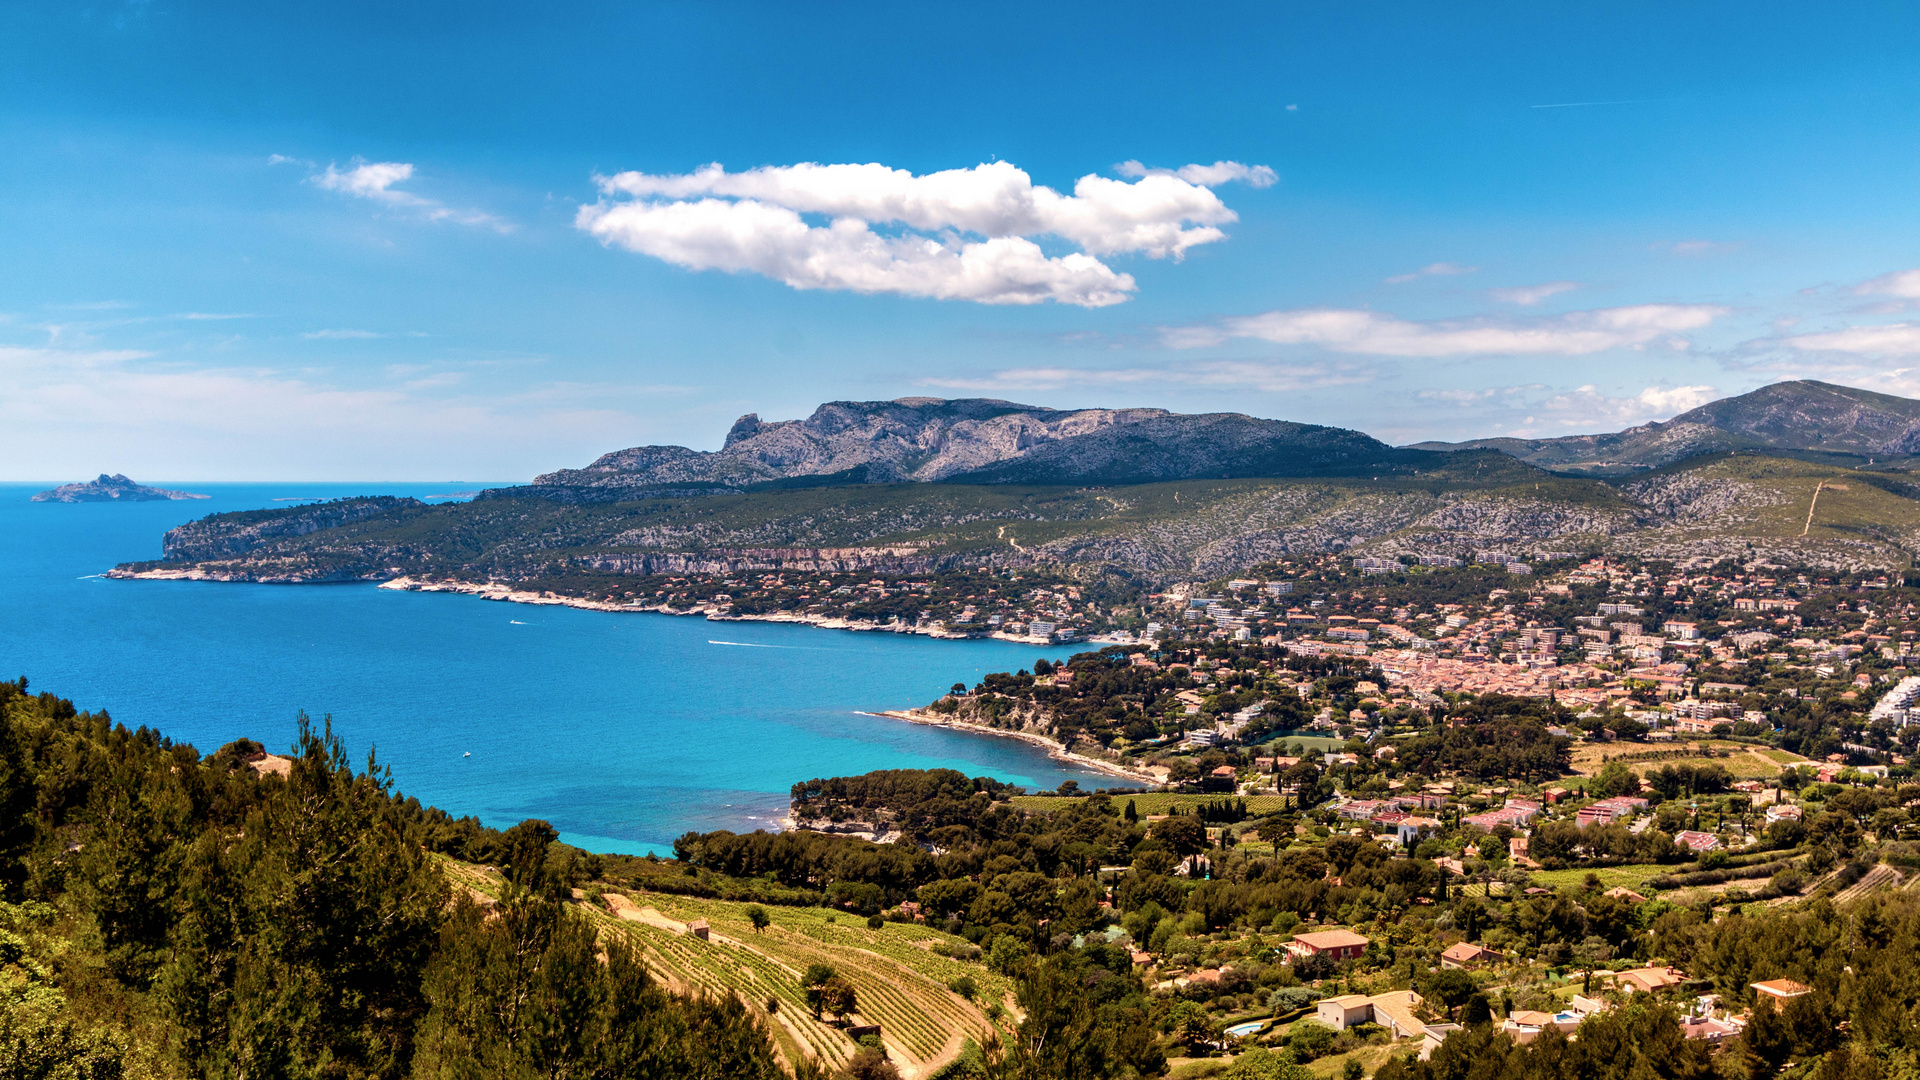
(911, 439)
(111, 488)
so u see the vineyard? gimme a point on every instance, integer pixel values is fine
(901, 983)
(898, 978)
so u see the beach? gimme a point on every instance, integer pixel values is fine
(1054, 750)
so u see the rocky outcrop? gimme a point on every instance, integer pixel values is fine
(910, 439)
(111, 488)
(1202, 447)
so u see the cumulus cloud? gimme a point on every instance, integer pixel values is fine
(1528, 295)
(1890, 339)
(1260, 375)
(1220, 172)
(1439, 269)
(960, 234)
(1578, 333)
(1904, 284)
(1589, 409)
(375, 180)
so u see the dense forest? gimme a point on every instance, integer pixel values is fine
(169, 915)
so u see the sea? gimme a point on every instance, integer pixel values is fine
(624, 730)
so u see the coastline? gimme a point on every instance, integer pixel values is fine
(511, 595)
(1054, 749)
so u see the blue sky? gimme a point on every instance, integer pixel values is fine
(472, 241)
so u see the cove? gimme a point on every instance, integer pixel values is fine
(623, 730)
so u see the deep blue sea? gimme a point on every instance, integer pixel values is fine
(622, 730)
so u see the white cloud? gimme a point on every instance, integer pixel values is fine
(1527, 295)
(1891, 339)
(1264, 376)
(1578, 333)
(339, 335)
(1439, 269)
(375, 180)
(1220, 172)
(1904, 284)
(1588, 409)
(961, 234)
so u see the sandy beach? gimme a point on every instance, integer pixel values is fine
(1054, 749)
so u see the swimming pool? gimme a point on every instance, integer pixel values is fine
(1241, 1031)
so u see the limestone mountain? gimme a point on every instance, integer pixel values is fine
(911, 439)
(1802, 415)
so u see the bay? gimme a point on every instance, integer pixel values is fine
(623, 730)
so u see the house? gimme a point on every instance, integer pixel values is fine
(1713, 1031)
(1359, 809)
(1393, 1010)
(1337, 944)
(1699, 842)
(1467, 955)
(1433, 1036)
(1608, 811)
(1783, 812)
(1649, 979)
(698, 928)
(1524, 1025)
(1527, 809)
(1493, 819)
(1778, 992)
(1410, 828)
(1621, 892)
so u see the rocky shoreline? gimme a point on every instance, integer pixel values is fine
(1054, 749)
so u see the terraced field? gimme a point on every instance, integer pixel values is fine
(900, 982)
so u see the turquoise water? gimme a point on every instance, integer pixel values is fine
(622, 730)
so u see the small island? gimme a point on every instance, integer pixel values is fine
(114, 488)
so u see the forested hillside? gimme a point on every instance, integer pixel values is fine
(169, 915)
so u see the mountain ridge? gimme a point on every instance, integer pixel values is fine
(1801, 415)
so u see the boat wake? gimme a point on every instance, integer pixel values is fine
(750, 644)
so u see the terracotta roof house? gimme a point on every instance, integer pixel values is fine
(1466, 954)
(1338, 944)
(1524, 1025)
(1649, 979)
(1621, 892)
(1698, 841)
(1779, 991)
(698, 928)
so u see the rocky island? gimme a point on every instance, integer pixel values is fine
(114, 488)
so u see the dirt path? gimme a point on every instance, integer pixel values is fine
(624, 908)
